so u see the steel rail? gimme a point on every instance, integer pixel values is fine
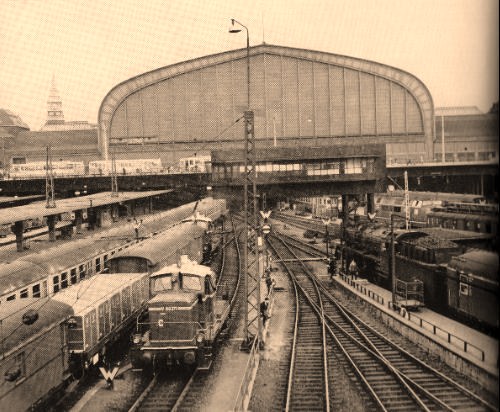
(323, 347)
(353, 318)
(349, 316)
(320, 312)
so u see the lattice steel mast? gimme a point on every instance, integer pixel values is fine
(49, 182)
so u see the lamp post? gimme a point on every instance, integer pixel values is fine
(252, 318)
(234, 29)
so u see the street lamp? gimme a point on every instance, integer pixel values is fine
(252, 292)
(234, 29)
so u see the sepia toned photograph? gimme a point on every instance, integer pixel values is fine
(249, 206)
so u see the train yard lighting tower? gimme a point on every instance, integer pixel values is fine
(252, 321)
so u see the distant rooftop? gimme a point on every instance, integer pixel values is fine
(9, 119)
(457, 111)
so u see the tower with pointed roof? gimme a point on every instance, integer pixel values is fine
(55, 116)
(54, 106)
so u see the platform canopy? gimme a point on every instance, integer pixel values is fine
(38, 209)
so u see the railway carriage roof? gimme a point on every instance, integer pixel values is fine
(468, 216)
(477, 262)
(91, 292)
(14, 332)
(163, 245)
(37, 266)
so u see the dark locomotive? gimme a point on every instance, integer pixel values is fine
(183, 320)
(430, 259)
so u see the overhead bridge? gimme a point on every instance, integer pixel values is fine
(346, 169)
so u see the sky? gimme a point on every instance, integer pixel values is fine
(92, 45)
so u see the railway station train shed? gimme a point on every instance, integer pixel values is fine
(300, 98)
(97, 209)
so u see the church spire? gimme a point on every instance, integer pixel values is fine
(54, 105)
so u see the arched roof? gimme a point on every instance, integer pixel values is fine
(409, 82)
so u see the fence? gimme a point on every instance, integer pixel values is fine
(452, 339)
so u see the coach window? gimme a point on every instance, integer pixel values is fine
(64, 280)
(73, 276)
(36, 291)
(11, 297)
(23, 294)
(81, 269)
(55, 282)
(97, 265)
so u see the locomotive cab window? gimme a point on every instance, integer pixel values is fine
(190, 282)
(162, 284)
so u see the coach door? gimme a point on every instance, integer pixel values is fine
(464, 294)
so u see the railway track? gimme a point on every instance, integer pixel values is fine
(392, 379)
(311, 224)
(182, 389)
(308, 386)
(312, 250)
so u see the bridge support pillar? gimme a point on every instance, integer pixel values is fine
(92, 218)
(51, 224)
(18, 229)
(370, 202)
(78, 220)
(114, 213)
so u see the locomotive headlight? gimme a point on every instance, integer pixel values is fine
(200, 337)
(137, 339)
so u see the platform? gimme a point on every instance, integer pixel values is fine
(122, 228)
(232, 370)
(468, 343)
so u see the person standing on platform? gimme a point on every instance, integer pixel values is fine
(353, 269)
(332, 267)
(269, 281)
(137, 226)
(264, 310)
